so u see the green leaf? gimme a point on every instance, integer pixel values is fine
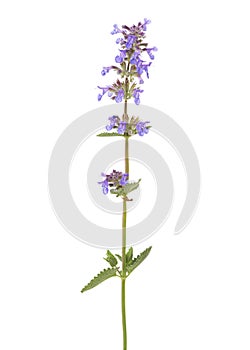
(119, 257)
(129, 187)
(129, 256)
(138, 260)
(101, 277)
(124, 190)
(118, 191)
(107, 134)
(111, 259)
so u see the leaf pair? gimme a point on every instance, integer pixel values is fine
(131, 265)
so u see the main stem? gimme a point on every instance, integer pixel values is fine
(124, 229)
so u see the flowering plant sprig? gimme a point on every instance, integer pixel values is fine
(131, 66)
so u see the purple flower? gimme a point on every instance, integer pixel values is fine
(141, 128)
(105, 185)
(130, 41)
(124, 179)
(112, 122)
(135, 58)
(115, 30)
(145, 68)
(104, 90)
(115, 180)
(139, 68)
(136, 95)
(149, 52)
(146, 21)
(119, 96)
(105, 70)
(131, 62)
(120, 58)
(122, 128)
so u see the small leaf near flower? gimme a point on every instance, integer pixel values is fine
(129, 187)
(124, 190)
(111, 259)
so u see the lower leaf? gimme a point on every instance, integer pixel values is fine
(101, 277)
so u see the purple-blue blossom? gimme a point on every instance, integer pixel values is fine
(122, 127)
(145, 68)
(136, 95)
(112, 122)
(105, 70)
(119, 96)
(104, 90)
(146, 21)
(130, 41)
(142, 128)
(120, 58)
(134, 57)
(105, 185)
(115, 30)
(124, 179)
(149, 52)
(115, 180)
(133, 61)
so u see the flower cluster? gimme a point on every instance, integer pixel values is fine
(130, 127)
(131, 63)
(115, 180)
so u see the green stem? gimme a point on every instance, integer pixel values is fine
(124, 229)
(124, 325)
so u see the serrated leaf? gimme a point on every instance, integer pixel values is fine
(124, 190)
(107, 134)
(101, 277)
(138, 260)
(111, 259)
(129, 187)
(129, 256)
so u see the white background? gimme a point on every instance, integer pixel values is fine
(193, 291)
